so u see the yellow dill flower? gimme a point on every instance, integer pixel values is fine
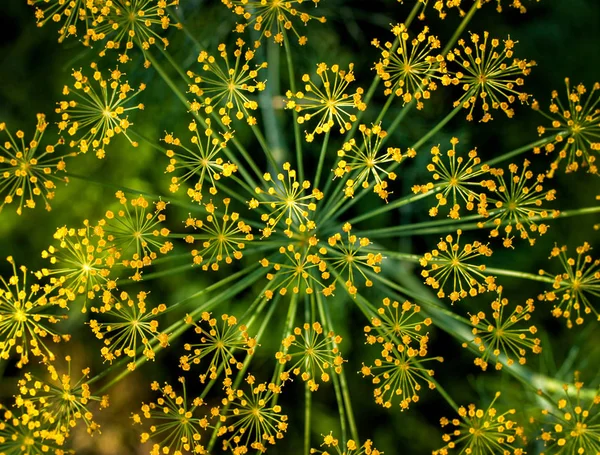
(124, 24)
(130, 325)
(572, 426)
(222, 239)
(399, 373)
(329, 100)
(312, 353)
(199, 161)
(26, 318)
(74, 14)
(573, 288)
(518, 204)
(22, 432)
(576, 127)
(286, 199)
(482, 432)
(97, 110)
(79, 263)
(26, 172)
(60, 400)
(456, 175)
(439, 5)
(406, 72)
(352, 448)
(272, 17)
(450, 265)
(360, 162)
(488, 73)
(517, 4)
(251, 420)
(176, 421)
(504, 334)
(134, 234)
(401, 321)
(219, 342)
(302, 270)
(228, 87)
(347, 257)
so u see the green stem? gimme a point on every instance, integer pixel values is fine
(307, 417)
(264, 146)
(297, 133)
(321, 160)
(518, 151)
(461, 28)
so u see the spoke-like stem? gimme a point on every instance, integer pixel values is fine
(297, 133)
(321, 160)
(461, 27)
(520, 150)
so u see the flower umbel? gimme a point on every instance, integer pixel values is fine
(573, 288)
(26, 171)
(220, 342)
(450, 266)
(482, 432)
(487, 73)
(312, 353)
(576, 128)
(360, 162)
(97, 110)
(351, 448)
(228, 87)
(200, 161)
(329, 100)
(406, 72)
(223, 237)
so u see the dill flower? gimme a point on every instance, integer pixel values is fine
(61, 400)
(79, 263)
(199, 161)
(576, 127)
(399, 373)
(517, 4)
(177, 422)
(22, 432)
(503, 333)
(456, 175)
(26, 319)
(440, 6)
(518, 204)
(251, 420)
(302, 270)
(573, 288)
(73, 14)
(223, 237)
(228, 87)
(97, 110)
(26, 171)
(128, 23)
(348, 258)
(286, 199)
(313, 354)
(220, 343)
(449, 265)
(131, 325)
(401, 321)
(367, 160)
(352, 448)
(482, 432)
(572, 424)
(409, 72)
(134, 234)
(487, 73)
(272, 17)
(329, 101)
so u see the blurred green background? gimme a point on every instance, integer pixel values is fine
(561, 36)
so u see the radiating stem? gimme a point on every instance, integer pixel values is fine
(297, 133)
(461, 27)
(518, 151)
(321, 160)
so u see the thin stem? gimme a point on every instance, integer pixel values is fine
(518, 151)
(297, 133)
(321, 159)
(307, 417)
(461, 28)
(264, 146)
